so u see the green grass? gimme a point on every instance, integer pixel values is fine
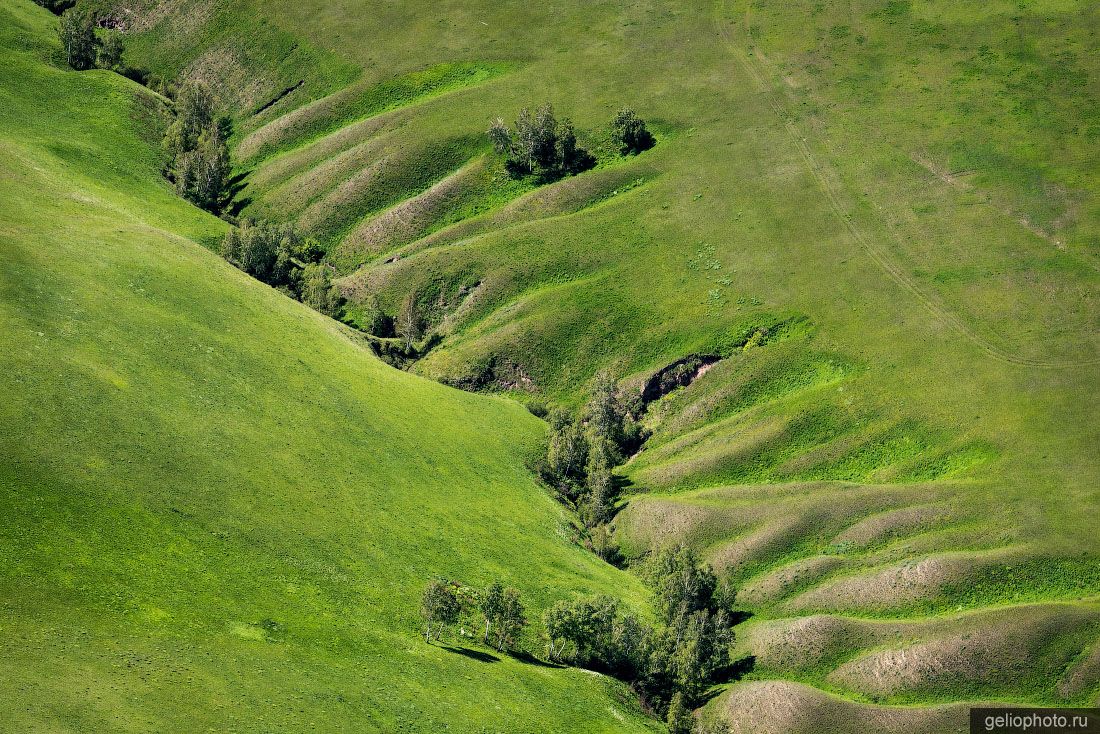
(218, 509)
(910, 187)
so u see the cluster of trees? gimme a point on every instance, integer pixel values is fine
(196, 146)
(280, 257)
(540, 144)
(582, 452)
(670, 665)
(446, 603)
(84, 49)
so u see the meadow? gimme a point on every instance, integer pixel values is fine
(879, 218)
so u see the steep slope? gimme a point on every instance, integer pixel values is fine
(217, 508)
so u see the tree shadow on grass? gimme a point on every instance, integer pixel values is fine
(480, 656)
(732, 673)
(525, 657)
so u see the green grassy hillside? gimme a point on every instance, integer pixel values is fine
(881, 216)
(217, 508)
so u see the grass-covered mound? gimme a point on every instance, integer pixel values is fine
(217, 508)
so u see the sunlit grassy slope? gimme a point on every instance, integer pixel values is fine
(902, 473)
(217, 508)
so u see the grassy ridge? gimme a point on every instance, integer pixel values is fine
(218, 509)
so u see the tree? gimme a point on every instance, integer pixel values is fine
(194, 115)
(544, 140)
(317, 291)
(703, 649)
(680, 585)
(567, 450)
(604, 414)
(511, 619)
(76, 29)
(491, 606)
(540, 144)
(439, 606)
(500, 136)
(558, 621)
(201, 174)
(679, 716)
(630, 132)
(525, 142)
(408, 324)
(110, 52)
(601, 490)
(260, 249)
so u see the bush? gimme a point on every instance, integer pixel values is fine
(630, 133)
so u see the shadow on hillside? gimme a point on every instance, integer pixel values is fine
(732, 673)
(526, 657)
(235, 186)
(738, 616)
(480, 656)
(736, 670)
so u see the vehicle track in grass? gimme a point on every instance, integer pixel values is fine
(754, 64)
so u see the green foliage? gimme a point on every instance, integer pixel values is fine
(491, 606)
(540, 144)
(110, 52)
(679, 717)
(681, 585)
(439, 607)
(409, 324)
(581, 454)
(201, 174)
(279, 256)
(76, 29)
(194, 107)
(567, 453)
(629, 132)
(511, 618)
(196, 144)
(316, 289)
(680, 657)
